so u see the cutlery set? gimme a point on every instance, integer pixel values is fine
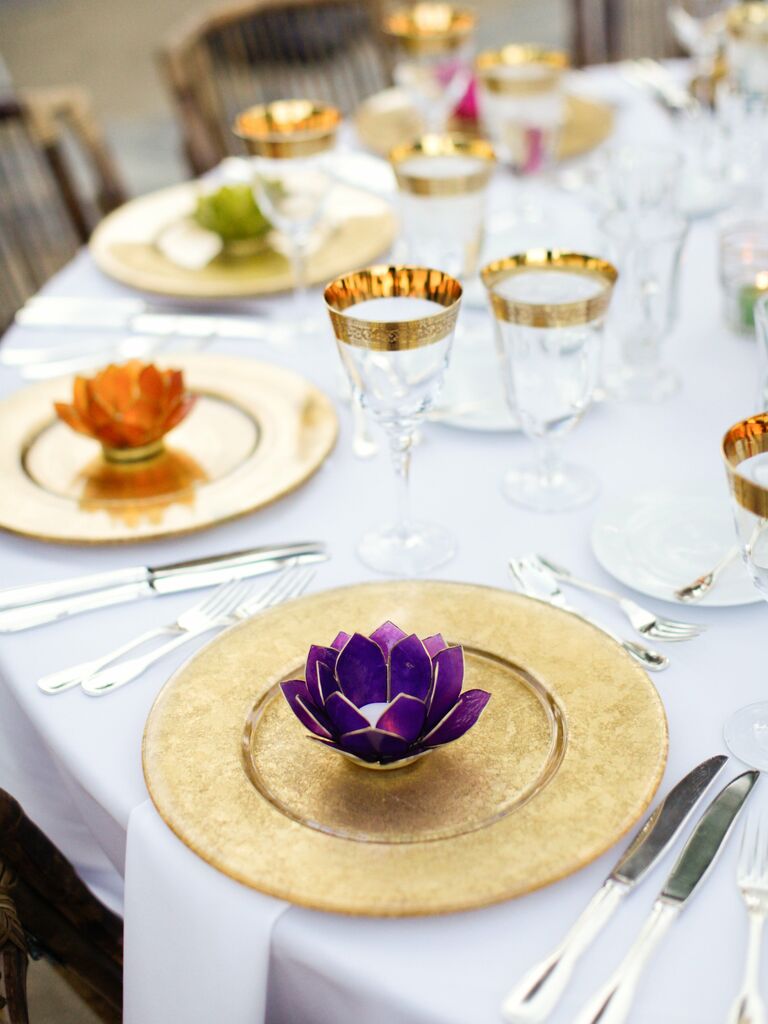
(539, 991)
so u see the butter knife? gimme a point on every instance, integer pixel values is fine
(612, 1003)
(537, 994)
(41, 603)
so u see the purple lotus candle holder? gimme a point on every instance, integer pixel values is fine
(385, 700)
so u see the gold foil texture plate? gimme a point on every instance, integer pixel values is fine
(564, 760)
(123, 246)
(256, 433)
(388, 119)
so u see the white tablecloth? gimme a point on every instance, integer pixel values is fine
(198, 944)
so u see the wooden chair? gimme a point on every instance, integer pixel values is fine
(264, 50)
(45, 910)
(45, 212)
(610, 30)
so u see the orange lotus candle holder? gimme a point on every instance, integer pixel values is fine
(128, 408)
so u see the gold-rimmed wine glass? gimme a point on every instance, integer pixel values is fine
(549, 308)
(433, 57)
(394, 328)
(745, 451)
(290, 141)
(442, 181)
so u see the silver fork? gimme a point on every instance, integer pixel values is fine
(289, 584)
(752, 879)
(536, 582)
(66, 678)
(643, 620)
(202, 611)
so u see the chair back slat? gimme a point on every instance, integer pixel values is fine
(611, 30)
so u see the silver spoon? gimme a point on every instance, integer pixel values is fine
(702, 585)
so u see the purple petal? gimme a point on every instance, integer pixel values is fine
(449, 675)
(404, 717)
(340, 640)
(343, 714)
(362, 671)
(297, 695)
(410, 669)
(373, 744)
(459, 719)
(387, 635)
(328, 682)
(434, 644)
(318, 655)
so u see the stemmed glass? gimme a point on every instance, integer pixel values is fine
(442, 180)
(549, 308)
(522, 104)
(699, 27)
(394, 329)
(745, 450)
(433, 57)
(290, 140)
(647, 250)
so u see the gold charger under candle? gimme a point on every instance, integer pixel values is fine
(360, 228)
(564, 760)
(388, 119)
(256, 433)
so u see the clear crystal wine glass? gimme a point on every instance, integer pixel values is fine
(394, 329)
(745, 450)
(549, 307)
(433, 57)
(290, 141)
(647, 250)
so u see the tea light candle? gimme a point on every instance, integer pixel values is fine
(748, 296)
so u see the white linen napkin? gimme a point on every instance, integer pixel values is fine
(197, 943)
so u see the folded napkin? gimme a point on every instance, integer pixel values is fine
(197, 943)
(188, 245)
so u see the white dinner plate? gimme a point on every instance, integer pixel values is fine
(657, 542)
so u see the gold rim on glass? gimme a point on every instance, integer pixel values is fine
(287, 129)
(392, 282)
(550, 64)
(550, 314)
(443, 146)
(743, 441)
(427, 29)
(749, 21)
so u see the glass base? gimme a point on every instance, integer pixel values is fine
(746, 735)
(406, 552)
(568, 487)
(650, 386)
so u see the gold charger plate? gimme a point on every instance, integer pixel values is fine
(564, 760)
(387, 119)
(361, 228)
(256, 433)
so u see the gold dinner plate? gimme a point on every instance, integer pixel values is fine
(563, 761)
(360, 228)
(256, 433)
(388, 119)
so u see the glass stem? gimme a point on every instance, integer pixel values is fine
(550, 462)
(400, 445)
(299, 251)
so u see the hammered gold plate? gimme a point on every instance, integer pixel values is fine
(388, 119)
(256, 433)
(564, 760)
(360, 228)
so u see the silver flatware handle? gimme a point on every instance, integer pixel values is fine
(66, 678)
(749, 1007)
(113, 677)
(611, 1005)
(13, 620)
(539, 991)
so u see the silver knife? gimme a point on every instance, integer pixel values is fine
(41, 603)
(612, 1003)
(537, 994)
